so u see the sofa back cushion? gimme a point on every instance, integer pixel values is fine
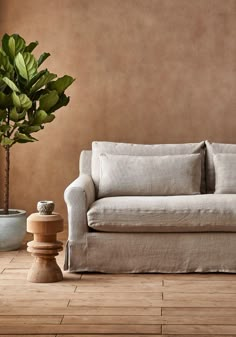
(99, 148)
(225, 173)
(211, 149)
(123, 175)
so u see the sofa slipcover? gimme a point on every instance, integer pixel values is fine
(114, 252)
(192, 213)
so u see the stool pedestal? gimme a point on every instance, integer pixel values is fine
(44, 247)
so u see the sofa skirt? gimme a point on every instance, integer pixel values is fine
(152, 253)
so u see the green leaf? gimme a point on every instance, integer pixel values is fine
(31, 46)
(21, 115)
(63, 101)
(49, 118)
(2, 52)
(16, 44)
(21, 101)
(34, 128)
(5, 100)
(22, 138)
(3, 115)
(12, 46)
(5, 46)
(4, 128)
(61, 84)
(10, 84)
(42, 58)
(39, 117)
(7, 141)
(5, 63)
(3, 85)
(47, 77)
(13, 115)
(26, 65)
(30, 129)
(36, 77)
(47, 101)
(16, 100)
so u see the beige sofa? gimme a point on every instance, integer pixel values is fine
(168, 208)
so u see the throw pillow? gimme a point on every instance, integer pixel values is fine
(211, 149)
(122, 175)
(144, 150)
(225, 173)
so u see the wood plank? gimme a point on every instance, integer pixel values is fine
(20, 265)
(83, 328)
(15, 271)
(35, 303)
(118, 296)
(30, 289)
(156, 303)
(194, 320)
(31, 335)
(120, 311)
(90, 296)
(116, 288)
(199, 276)
(193, 335)
(125, 319)
(199, 329)
(226, 286)
(122, 278)
(200, 296)
(143, 335)
(114, 335)
(8, 254)
(15, 274)
(37, 319)
(119, 302)
(209, 312)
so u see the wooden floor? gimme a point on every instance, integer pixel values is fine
(114, 305)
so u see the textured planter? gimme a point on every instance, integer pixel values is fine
(45, 207)
(12, 229)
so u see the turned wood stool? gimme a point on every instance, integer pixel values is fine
(44, 247)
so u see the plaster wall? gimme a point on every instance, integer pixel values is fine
(147, 71)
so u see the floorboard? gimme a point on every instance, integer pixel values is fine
(114, 305)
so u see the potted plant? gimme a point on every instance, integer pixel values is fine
(29, 97)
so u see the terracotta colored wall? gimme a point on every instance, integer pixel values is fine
(147, 71)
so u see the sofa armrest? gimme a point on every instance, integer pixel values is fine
(79, 195)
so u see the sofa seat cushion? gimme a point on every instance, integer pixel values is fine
(192, 213)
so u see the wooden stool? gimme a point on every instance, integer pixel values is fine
(45, 247)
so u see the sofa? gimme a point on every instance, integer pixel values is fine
(162, 208)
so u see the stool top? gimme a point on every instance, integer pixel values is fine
(47, 218)
(44, 224)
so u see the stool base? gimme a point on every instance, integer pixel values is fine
(44, 270)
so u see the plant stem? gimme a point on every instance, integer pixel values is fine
(7, 179)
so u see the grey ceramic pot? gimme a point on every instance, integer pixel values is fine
(12, 229)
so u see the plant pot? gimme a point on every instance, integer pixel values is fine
(12, 229)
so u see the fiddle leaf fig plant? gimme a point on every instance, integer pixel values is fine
(29, 96)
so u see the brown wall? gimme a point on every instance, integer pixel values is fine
(147, 71)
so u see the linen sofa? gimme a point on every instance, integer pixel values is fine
(168, 208)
